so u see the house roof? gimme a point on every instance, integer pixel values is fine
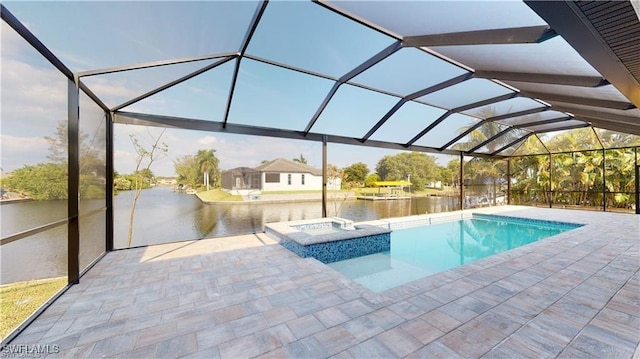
(242, 170)
(284, 165)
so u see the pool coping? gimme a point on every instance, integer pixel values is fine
(288, 231)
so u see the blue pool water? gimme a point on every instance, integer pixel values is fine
(419, 252)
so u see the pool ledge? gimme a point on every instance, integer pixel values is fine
(360, 240)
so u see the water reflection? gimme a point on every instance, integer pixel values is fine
(43, 255)
(21, 216)
(163, 216)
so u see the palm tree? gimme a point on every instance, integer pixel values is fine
(300, 159)
(485, 132)
(208, 163)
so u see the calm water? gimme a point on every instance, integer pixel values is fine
(419, 252)
(169, 216)
(163, 216)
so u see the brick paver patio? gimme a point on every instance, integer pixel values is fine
(575, 295)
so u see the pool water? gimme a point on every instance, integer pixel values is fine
(421, 251)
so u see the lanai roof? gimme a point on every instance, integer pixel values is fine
(402, 75)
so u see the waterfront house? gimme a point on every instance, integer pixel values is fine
(277, 175)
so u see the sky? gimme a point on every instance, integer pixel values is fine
(235, 150)
(265, 95)
(99, 35)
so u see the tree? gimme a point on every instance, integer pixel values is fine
(44, 181)
(48, 181)
(300, 159)
(357, 172)
(484, 174)
(58, 143)
(188, 171)
(450, 175)
(333, 171)
(422, 168)
(121, 184)
(370, 179)
(485, 132)
(208, 164)
(157, 151)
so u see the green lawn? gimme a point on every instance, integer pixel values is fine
(218, 196)
(19, 300)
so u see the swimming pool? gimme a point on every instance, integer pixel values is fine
(421, 251)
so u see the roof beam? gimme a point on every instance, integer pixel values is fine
(552, 79)
(442, 85)
(573, 127)
(93, 96)
(384, 119)
(612, 117)
(517, 140)
(288, 67)
(517, 114)
(613, 126)
(542, 122)
(172, 83)
(214, 126)
(542, 143)
(485, 102)
(569, 21)
(490, 139)
(413, 96)
(516, 35)
(257, 15)
(617, 105)
(146, 65)
(22, 30)
(429, 128)
(386, 52)
(317, 74)
(460, 136)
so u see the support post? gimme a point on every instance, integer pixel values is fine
(604, 180)
(509, 181)
(637, 183)
(109, 184)
(550, 181)
(73, 182)
(324, 176)
(461, 200)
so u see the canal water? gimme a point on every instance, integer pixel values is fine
(163, 216)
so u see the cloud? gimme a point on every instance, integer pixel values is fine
(31, 97)
(112, 91)
(208, 140)
(19, 151)
(15, 143)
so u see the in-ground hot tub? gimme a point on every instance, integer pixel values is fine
(330, 239)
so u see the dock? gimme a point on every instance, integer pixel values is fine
(382, 198)
(386, 190)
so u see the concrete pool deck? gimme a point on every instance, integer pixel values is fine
(574, 295)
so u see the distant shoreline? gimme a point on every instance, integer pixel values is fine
(15, 200)
(279, 198)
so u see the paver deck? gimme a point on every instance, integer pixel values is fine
(574, 295)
